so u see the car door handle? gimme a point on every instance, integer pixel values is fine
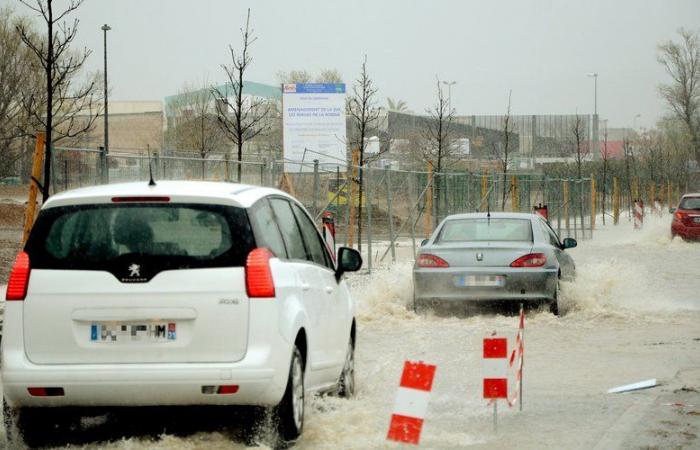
(305, 286)
(329, 289)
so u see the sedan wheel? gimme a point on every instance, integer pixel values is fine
(554, 304)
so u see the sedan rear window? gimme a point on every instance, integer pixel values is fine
(690, 203)
(480, 230)
(167, 236)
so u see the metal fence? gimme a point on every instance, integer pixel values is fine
(395, 205)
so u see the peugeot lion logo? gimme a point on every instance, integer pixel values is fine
(479, 256)
(134, 270)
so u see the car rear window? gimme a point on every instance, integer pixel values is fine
(690, 203)
(494, 229)
(164, 236)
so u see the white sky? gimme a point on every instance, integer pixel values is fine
(541, 49)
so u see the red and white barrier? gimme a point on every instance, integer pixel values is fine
(517, 355)
(542, 211)
(495, 368)
(411, 402)
(329, 231)
(638, 214)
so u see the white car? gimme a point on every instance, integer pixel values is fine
(182, 293)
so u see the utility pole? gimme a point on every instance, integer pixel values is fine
(105, 167)
(594, 124)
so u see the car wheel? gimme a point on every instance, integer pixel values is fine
(28, 427)
(290, 411)
(554, 304)
(346, 385)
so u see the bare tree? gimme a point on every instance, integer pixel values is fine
(303, 76)
(581, 147)
(505, 155)
(329, 76)
(241, 118)
(20, 75)
(438, 138)
(682, 63)
(194, 121)
(294, 76)
(70, 110)
(364, 114)
(396, 105)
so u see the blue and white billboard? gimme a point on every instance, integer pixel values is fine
(313, 125)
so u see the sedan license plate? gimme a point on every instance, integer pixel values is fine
(133, 332)
(480, 280)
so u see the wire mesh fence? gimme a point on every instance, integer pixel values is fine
(373, 207)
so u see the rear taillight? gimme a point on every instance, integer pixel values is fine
(530, 260)
(19, 278)
(680, 215)
(428, 260)
(258, 275)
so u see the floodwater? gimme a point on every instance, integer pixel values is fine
(632, 313)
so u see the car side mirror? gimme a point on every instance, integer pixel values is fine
(423, 242)
(569, 243)
(671, 210)
(349, 260)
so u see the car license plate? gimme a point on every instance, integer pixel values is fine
(480, 280)
(133, 332)
(696, 219)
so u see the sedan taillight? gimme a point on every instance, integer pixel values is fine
(19, 278)
(530, 260)
(258, 274)
(431, 261)
(679, 215)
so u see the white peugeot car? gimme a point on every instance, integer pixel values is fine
(180, 293)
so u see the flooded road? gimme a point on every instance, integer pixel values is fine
(633, 313)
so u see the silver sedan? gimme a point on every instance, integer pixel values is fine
(492, 256)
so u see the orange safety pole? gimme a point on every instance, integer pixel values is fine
(353, 195)
(37, 163)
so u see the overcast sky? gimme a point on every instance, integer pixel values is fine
(541, 49)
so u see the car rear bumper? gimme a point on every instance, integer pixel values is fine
(261, 376)
(685, 232)
(144, 386)
(520, 284)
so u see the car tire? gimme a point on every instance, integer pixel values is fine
(27, 427)
(554, 303)
(346, 384)
(289, 414)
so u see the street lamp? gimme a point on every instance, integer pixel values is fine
(105, 166)
(449, 92)
(594, 124)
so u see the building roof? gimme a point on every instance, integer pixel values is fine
(250, 88)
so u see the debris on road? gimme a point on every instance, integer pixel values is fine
(646, 384)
